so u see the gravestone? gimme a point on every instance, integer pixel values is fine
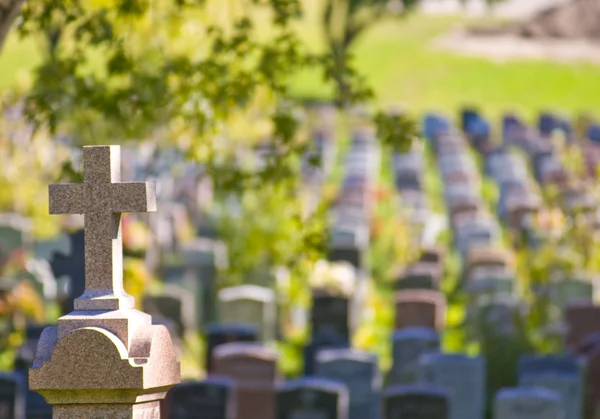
(571, 290)
(195, 267)
(173, 304)
(212, 398)
(348, 244)
(568, 386)
(419, 276)
(73, 267)
(312, 398)
(219, 334)
(250, 304)
(407, 347)
(15, 233)
(415, 402)
(105, 344)
(330, 315)
(359, 372)
(528, 403)
(582, 319)
(253, 369)
(420, 308)
(12, 396)
(463, 377)
(46, 249)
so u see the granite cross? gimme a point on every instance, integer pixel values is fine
(102, 198)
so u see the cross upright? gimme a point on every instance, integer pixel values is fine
(101, 198)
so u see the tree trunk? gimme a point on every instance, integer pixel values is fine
(9, 10)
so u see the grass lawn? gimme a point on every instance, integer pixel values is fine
(405, 70)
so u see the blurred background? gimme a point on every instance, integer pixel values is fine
(308, 145)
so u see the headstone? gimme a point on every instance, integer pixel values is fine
(105, 344)
(172, 304)
(212, 398)
(73, 267)
(195, 267)
(420, 308)
(359, 371)
(528, 403)
(253, 369)
(46, 249)
(407, 347)
(250, 304)
(219, 334)
(12, 396)
(312, 398)
(330, 315)
(463, 377)
(15, 233)
(415, 402)
(582, 319)
(571, 290)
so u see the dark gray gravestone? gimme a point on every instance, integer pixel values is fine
(312, 398)
(319, 343)
(73, 267)
(407, 347)
(218, 334)
(12, 396)
(415, 402)
(168, 306)
(528, 403)
(359, 371)
(330, 315)
(213, 398)
(195, 267)
(561, 373)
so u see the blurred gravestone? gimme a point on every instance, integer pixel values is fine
(407, 347)
(312, 398)
(219, 334)
(528, 403)
(73, 267)
(420, 308)
(463, 377)
(212, 398)
(359, 371)
(253, 369)
(250, 304)
(415, 402)
(13, 390)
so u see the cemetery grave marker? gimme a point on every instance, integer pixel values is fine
(12, 396)
(212, 398)
(250, 304)
(420, 308)
(219, 334)
(582, 319)
(359, 372)
(96, 348)
(312, 398)
(253, 368)
(528, 403)
(73, 267)
(463, 377)
(415, 402)
(407, 347)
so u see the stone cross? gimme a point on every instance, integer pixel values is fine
(105, 359)
(102, 198)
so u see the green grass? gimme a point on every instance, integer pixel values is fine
(405, 70)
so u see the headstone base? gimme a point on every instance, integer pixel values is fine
(148, 410)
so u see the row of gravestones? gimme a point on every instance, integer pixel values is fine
(346, 384)
(580, 315)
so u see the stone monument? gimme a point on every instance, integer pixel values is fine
(105, 359)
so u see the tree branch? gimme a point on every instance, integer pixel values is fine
(9, 10)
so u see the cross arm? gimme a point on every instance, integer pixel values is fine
(133, 197)
(68, 198)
